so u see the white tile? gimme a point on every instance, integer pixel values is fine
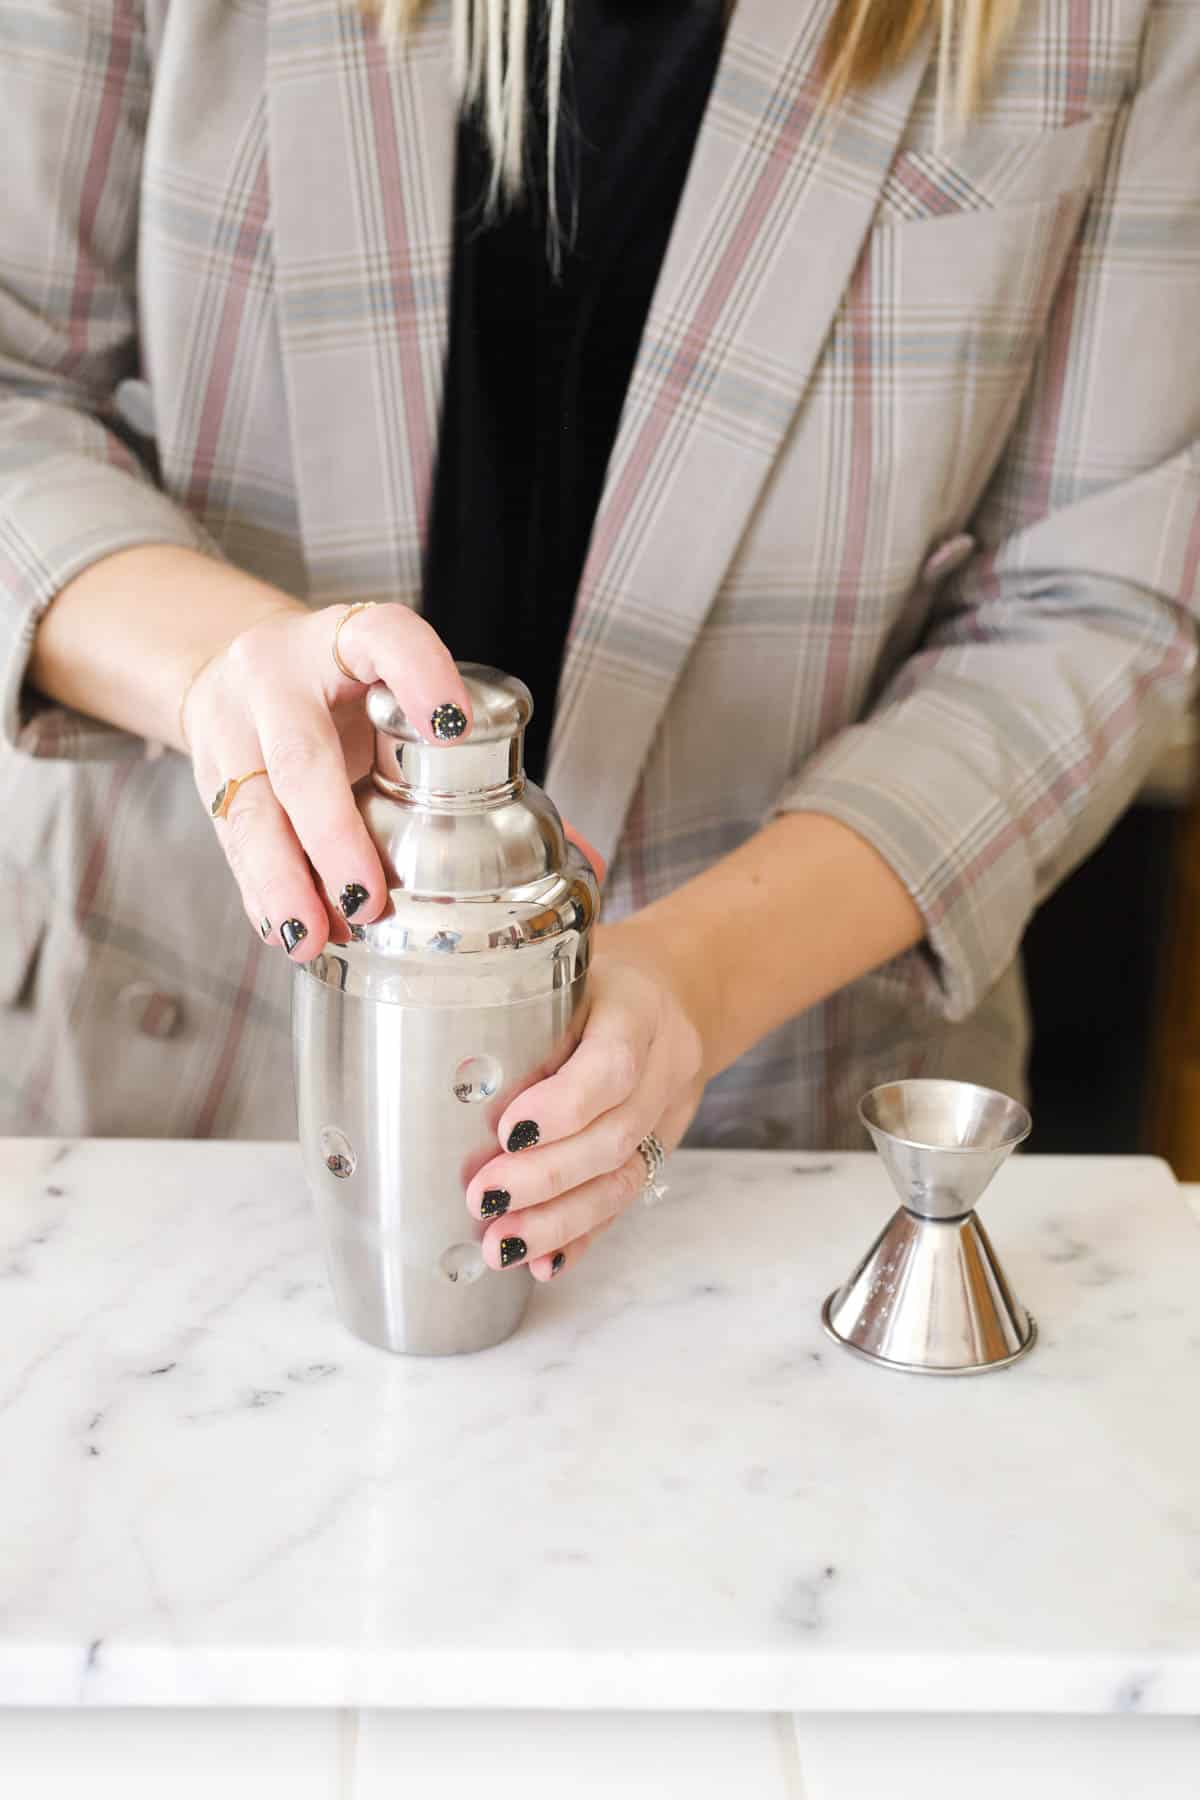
(907, 1757)
(171, 1755)
(586, 1756)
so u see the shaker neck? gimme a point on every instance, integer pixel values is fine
(450, 775)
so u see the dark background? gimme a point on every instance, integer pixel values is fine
(1094, 963)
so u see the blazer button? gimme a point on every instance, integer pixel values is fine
(154, 1014)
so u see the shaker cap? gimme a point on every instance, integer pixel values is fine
(501, 704)
(481, 763)
(476, 862)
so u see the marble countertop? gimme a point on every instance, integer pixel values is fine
(669, 1490)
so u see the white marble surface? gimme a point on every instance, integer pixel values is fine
(668, 1491)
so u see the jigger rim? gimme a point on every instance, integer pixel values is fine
(1023, 1118)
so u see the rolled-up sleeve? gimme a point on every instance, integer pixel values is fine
(1058, 659)
(74, 93)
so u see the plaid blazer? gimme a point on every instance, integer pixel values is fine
(902, 524)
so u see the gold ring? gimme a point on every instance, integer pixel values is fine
(222, 800)
(359, 606)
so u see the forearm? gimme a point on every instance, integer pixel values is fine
(122, 640)
(803, 908)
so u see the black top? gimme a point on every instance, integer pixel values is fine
(538, 363)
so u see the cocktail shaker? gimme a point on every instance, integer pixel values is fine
(411, 1039)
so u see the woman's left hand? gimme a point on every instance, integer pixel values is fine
(571, 1163)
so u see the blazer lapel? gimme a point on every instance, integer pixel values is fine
(361, 151)
(778, 200)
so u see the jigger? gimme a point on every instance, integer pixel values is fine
(930, 1296)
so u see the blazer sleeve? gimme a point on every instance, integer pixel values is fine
(1058, 659)
(74, 94)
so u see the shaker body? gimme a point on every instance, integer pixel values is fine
(398, 1107)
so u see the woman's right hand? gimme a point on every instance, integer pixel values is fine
(275, 699)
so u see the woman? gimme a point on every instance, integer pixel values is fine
(857, 636)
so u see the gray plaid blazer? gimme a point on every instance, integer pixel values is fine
(902, 524)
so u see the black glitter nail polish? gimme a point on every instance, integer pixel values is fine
(448, 721)
(512, 1250)
(292, 932)
(264, 926)
(524, 1135)
(558, 1261)
(495, 1202)
(353, 895)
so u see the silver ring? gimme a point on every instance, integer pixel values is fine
(654, 1158)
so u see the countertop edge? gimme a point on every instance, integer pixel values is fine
(811, 1682)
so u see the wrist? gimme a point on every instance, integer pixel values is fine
(693, 977)
(802, 909)
(122, 638)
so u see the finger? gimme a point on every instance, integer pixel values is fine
(534, 1177)
(303, 756)
(269, 866)
(601, 1073)
(672, 1127)
(393, 644)
(545, 1268)
(537, 1234)
(593, 855)
(546, 1265)
(543, 1264)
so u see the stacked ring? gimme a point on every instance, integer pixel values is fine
(655, 1159)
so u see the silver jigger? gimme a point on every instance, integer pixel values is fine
(930, 1296)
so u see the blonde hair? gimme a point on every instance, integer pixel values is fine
(869, 38)
(866, 40)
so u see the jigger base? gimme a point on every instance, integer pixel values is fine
(930, 1296)
(909, 1368)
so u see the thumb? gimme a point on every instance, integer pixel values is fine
(593, 855)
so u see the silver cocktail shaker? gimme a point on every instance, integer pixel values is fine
(411, 1039)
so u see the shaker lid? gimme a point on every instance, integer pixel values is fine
(501, 704)
(476, 862)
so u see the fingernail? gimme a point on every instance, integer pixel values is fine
(523, 1136)
(264, 926)
(558, 1261)
(448, 721)
(292, 932)
(495, 1202)
(512, 1250)
(353, 895)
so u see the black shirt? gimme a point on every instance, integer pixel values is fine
(538, 362)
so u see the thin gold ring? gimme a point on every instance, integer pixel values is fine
(359, 606)
(222, 800)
